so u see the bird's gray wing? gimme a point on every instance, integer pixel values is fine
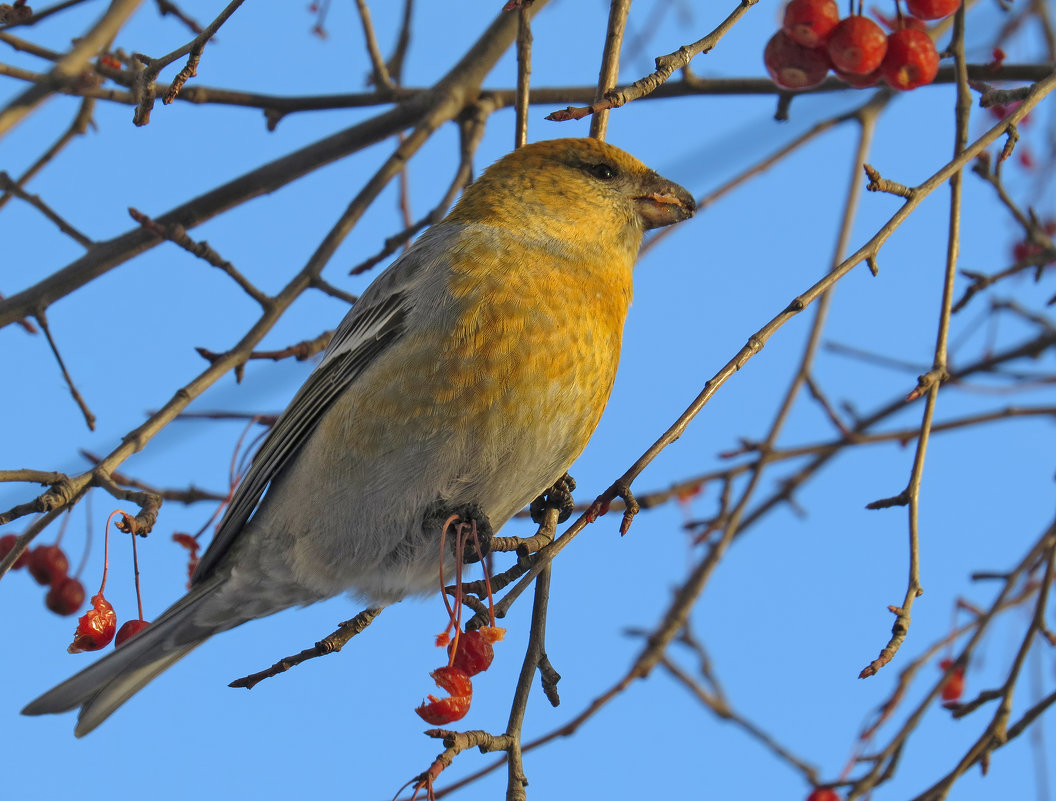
(375, 322)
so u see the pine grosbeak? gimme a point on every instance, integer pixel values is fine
(472, 371)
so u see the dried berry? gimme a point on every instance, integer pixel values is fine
(474, 653)
(441, 711)
(96, 627)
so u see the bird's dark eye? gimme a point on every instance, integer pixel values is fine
(604, 172)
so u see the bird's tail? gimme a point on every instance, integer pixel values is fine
(102, 687)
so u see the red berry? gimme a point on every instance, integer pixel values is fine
(95, 628)
(130, 629)
(809, 22)
(792, 66)
(474, 653)
(440, 711)
(65, 597)
(932, 9)
(857, 45)
(824, 794)
(953, 687)
(48, 564)
(911, 60)
(7, 542)
(1022, 251)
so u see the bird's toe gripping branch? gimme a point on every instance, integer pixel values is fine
(558, 496)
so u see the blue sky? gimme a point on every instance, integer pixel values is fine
(796, 608)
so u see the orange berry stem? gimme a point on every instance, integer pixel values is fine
(443, 595)
(106, 546)
(487, 577)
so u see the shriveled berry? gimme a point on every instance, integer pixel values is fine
(474, 653)
(792, 66)
(809, 22)
(48, 564)
(7, 542)
(932, 9)
(441, 711)
(95, 628)
(857, 45)
(130, 629)
(911, 60)
(65, 597)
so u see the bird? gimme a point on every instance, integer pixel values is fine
(472, 371)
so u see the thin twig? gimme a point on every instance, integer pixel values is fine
(89, 418)
(665, 68)
(610, 63)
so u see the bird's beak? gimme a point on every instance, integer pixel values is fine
(664, 203)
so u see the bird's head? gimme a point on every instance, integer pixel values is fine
(574, 190)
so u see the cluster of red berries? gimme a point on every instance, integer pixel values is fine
(469, 654)
(97, 627)
(813, 40)
(49, 567)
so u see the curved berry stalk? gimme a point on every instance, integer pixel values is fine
(96, 627)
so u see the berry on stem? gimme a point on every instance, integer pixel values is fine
(65, 597)
(130, 629)
(823, 794)
(792, 66)
(474, 652)
(7, 543)
(932, 9)
(441, 711)
(48, 564)
(911, 60)
(953, 687)
(857, 45)
(809, 22)
(95, 628)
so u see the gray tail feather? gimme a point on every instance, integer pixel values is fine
(103, 686)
